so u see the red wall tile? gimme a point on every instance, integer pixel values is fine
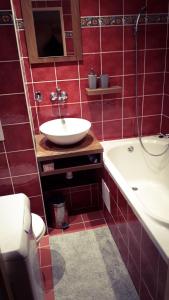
(155, 61)
(130, 128)
(20, 135)
(43, 72)
(112, 63)
(112, 44)
(28, 184)
(157, 7)
(92, 111)
(156, 36)
(6, 187)
(68, 71)
(4, 171)
(11, 82)
(17, 112)
(111, 7)
(5, 4)
(88, 36)
(37, 205)
(9, 49)
(133, 7)
(112, 130)
(89, 8)
(22, 162)
(112, 109)
(151, 125)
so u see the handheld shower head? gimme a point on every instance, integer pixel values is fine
(142, 11)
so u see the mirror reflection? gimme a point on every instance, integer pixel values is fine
(52, 28)
(49, 30)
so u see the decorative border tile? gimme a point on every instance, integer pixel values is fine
(6, 17)
(120, 20)
(163, 18)
(89, 21)
(111, 20)
(19, 24)
(68, 34)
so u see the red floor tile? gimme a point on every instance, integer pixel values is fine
(49, 295)
(94, 215)
(47, 278)
(75, 228)
(55, 231)
(44, 241)
(45, 257)
(95, 224)
(75, 219)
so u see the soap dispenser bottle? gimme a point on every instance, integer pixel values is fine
(92, 79)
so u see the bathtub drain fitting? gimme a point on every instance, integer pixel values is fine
(131, 149)
(134, 188)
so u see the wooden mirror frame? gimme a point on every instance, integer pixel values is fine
(31, 37)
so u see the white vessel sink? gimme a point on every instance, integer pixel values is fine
(65, 131)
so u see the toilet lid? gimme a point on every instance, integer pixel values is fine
(38, 226)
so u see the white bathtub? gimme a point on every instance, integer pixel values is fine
(149, 177)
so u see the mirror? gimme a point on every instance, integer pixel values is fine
(53, 34)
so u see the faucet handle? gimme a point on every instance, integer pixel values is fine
(64, 96)
(53, 96)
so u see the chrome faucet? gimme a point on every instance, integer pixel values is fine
(163, 135)
(59, 95)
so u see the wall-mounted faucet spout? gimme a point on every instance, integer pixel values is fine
(59, 95)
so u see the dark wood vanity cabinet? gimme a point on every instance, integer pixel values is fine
(66, 170)
(53, 159)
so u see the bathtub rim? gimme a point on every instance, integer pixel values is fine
(154, 229)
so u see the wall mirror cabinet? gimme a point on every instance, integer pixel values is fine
(53, 34)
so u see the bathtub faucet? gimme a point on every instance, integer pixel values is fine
(163, 135)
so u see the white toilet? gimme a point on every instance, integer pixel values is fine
(38, 227)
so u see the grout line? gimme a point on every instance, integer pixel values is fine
(83, 221)
(85, 78)
(9, 61)
(49, 266)
(122, 104)
(15, 124)
(164, 80)
(80, 92)
(9, 169)
(101, 70)
(12, 94)
(113, 51)
(16, 176)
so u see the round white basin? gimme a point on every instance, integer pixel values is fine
(65, 131)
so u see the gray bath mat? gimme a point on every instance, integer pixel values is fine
(87, 266)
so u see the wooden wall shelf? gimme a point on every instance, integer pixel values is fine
(104, 91)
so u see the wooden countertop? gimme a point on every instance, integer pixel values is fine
(48, 150)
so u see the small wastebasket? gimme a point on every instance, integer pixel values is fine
(59, 212)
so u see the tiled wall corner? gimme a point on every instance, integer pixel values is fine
(18, 168)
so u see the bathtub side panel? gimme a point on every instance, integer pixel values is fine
(145, 265)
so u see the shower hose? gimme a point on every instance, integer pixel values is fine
(136, 90)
